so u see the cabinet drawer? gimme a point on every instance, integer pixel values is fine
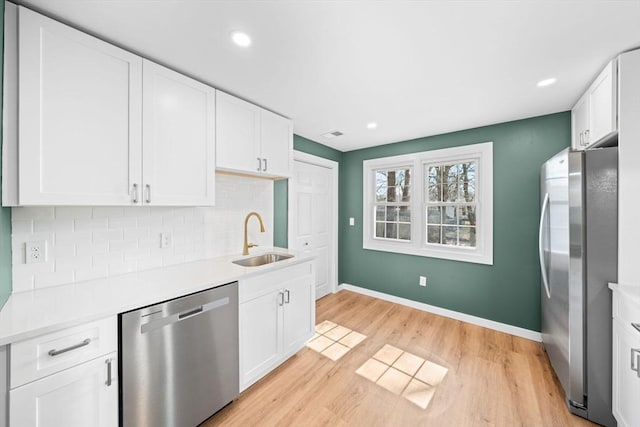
(44, 355)
(263, 284)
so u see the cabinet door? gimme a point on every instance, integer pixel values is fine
(602, 104)
(299, 313)
(260, 337)
(626, 379)
(580, 123)
(237, 134)
(276, 137)
(80, 116)
(179, 139)
(77, 397)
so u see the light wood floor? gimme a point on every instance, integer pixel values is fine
(494, 379)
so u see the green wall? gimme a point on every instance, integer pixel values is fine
(5, 213)
(280, 189)
(509, 290)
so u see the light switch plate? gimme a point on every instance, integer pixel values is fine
(423, 281)
(352, 221)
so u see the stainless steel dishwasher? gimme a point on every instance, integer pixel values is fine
(179, 359)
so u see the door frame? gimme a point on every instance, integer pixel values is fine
(334, 166)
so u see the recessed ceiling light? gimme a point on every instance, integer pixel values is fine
(240, 38)
(546, 82)
(372, 125)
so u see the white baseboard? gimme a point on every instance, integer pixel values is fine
(491, 324)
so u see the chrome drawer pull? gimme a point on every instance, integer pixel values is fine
(135, 193)
(108, 381)
(148, 187)
(72, 347)
(636, 325)
(287, 296)
(635, 360)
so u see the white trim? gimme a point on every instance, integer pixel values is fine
(479, 321)
(482, 253)
(299, 156)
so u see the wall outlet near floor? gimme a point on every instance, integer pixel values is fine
(165, 240)
(423, 281)
(36, 252)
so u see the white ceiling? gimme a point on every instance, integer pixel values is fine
(418, 68)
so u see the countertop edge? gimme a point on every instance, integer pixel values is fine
(27, 307)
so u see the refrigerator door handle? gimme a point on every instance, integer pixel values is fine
(543, 266)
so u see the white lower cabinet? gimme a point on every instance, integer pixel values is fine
(66, 378)
(626, 355)
(277, 317)
(85, 395)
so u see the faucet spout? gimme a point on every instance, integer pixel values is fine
(247, 245)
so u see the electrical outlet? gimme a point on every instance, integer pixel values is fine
(165, 240)
(36, 252)
(423, 281)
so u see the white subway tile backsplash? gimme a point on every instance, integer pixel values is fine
(22, 226)
(124, 222)
(73, 212)
(87, 243)
(91, 224)
(53, 279)
(108, 212)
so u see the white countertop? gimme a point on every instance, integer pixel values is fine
(629, 291)
(29, 314)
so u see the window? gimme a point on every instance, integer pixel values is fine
(451, 203)
(435, 203)
(393, 204)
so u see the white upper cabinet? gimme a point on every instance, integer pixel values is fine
(80, 103)
(276, 136)
(252, 140)
(179, 139)
(97, 125)
(595, 115)
(237, 134)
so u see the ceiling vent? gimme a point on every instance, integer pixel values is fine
(332, 134)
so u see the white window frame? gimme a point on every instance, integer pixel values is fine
(483, 252)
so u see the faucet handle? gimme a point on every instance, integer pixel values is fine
(251, 245)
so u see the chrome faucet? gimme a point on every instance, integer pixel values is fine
(247, 245)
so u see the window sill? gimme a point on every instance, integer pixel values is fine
(454, 254)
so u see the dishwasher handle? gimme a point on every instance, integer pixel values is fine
(189, 313)
(174, 318)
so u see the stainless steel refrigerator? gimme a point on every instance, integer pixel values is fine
(578, 257)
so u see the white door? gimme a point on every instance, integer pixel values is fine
(77, 397)
(237, 134)
(312, 225)
(179, 139)
(80, 116)
(276, 144)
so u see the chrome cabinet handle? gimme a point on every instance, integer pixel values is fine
(281, 296)
(636, 326)
(264, 169)
(108, 381)
(288, 294)
(134, 192)
(635, 360)
(586, 137)
(148, 188)
(259, 163)
(54, 352)
(581, 143)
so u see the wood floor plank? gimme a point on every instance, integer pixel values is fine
(493, 379)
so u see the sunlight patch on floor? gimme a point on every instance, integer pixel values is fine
(404, 374)
(333, 340)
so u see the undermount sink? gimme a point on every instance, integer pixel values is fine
(263, 259)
